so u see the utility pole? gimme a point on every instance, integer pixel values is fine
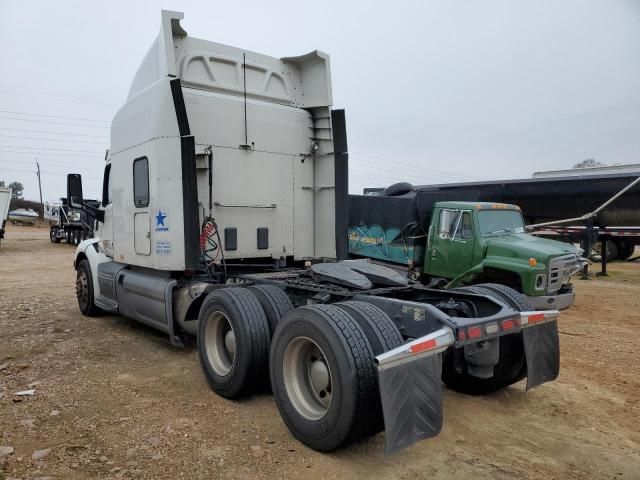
(40, 187)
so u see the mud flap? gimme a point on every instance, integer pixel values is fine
(542, 351)
(411, 395)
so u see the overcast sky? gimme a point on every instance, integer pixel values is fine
(435, 91)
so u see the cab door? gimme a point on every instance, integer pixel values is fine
(450, 243)
(141, 216)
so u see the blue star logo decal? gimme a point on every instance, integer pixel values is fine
(160, 218)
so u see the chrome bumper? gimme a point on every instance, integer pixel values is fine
(558, 302)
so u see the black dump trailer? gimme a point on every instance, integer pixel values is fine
(547, 202)
(71, 224)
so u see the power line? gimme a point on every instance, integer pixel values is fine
(48, 172)
(14, 112)
(48, 149)
(394, 172)
(44, 154)
(49, 162)
(52, 123)
(419, 167)
(60, 98)
(55, 133)
(53, 139)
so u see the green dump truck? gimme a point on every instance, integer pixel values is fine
(452, 244)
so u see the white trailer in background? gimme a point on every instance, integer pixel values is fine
(5, 200)
(223, 215)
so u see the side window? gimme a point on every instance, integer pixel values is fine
(141, 182)
(448, 220)
(463, 228)
(106, 186)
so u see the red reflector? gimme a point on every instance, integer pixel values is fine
(474, 332)
(536, 317)
(508, 325)
(421, 347)
(461, 335)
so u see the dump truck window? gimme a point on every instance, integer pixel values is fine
(496, 222)
(448, 222)
(141, 182)
(463, 230)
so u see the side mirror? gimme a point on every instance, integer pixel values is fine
(74, 190)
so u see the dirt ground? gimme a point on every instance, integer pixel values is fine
(114, 399)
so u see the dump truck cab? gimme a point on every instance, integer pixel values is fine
(476, 242)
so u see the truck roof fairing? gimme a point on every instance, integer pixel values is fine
(301, 81)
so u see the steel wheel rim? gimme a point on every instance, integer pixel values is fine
(220, 343)
(307, 378)
(82, 289)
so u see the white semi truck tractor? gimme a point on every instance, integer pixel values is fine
(223, 216)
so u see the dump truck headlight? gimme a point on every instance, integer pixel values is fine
(541, 281)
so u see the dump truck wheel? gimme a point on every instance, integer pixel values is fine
(511, 366)
(323, 377)
(53, 235)
(233, 342)
(84, 290)
(382, 333)
(274, 301)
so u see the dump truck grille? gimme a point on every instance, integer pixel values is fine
(561, 269)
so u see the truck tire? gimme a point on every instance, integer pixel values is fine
(274, 302)
(84, 290)
(323, 378)
(233, 342)
(53, 235)
(511, 366)
(382, 333)
(625, 250)
(398, 189)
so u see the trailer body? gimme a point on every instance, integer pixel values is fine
(5, 201)
(223, 215)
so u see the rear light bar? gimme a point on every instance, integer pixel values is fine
(529, 319)
(476, 333)
(426, 346)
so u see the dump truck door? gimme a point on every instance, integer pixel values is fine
(450, 243)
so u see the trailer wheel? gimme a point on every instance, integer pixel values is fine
(625, 250)
(323, 377)
(84, 290)
(233, 342)
(274, 301)
(511, 366)
(382, 333)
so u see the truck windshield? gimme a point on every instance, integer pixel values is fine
(500, 222)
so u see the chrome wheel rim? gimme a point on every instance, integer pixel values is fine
(220, 343)
(307, 378)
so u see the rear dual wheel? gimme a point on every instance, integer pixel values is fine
(234, 335)
(323, 375)
(320, 360)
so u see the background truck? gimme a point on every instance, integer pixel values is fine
(5, 200)
(71, 224)
(450, 244)
(223, 215)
